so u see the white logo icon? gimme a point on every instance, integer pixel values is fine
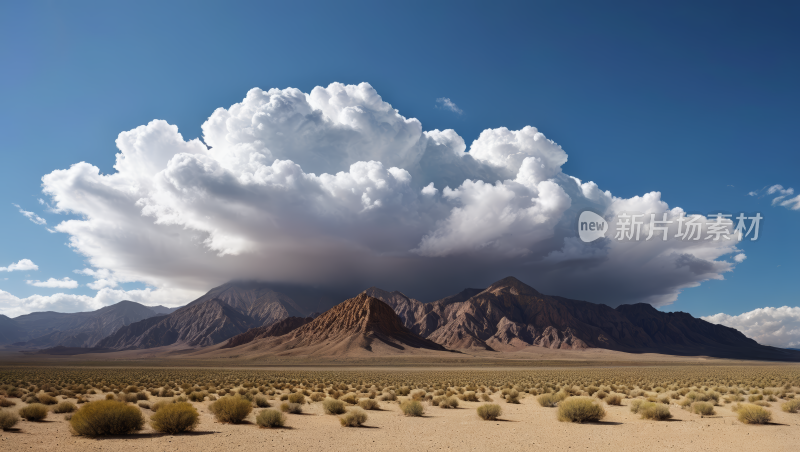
(591, 226)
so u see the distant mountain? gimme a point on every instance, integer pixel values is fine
(163, 310)
(511, 315)
(80, 329)
(358, 325)
(224, 312)
(10, 330)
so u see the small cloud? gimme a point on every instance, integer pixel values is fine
(429, 190)
(447, 104)
(784, 198)
(53, 283)
(22, 265)
(739, 257)
(753, 193)
(30, 215)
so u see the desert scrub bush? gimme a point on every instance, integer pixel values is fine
(753, 414)
(33, 412)
(333, 406)
(792, 406)
(106, 417)
(270, 419)
(601, 395)
(448, 402)
(703, 408)
(354, 418)
(166, 392)
(46, 399)
(489, 411)
(549, 400)
(175, 418)
(64, 407)
(144, 404)
(369, 404)
(469, 396)
(5, 403)
(486, 397)
(512, 396)
(580, 409)
(654, 411)
(129, 397)
(412, 408)
(317, 396)
(161, 403)
(389, 396)
(230, 409)
(349, 398)
(261, 402)
(8, 420)
(197, 396)
(294, 408)
(613, 399)
(297, 397)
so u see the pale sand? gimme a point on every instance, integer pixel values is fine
(526, 426)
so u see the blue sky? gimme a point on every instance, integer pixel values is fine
(696, 100)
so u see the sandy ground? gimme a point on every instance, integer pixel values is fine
(526, 426)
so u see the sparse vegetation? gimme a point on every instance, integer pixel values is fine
(792, 406)
(65, 407)
(412, 408)
(270, 419)
(333, 406)
(654, 411)
(175, 418)
(703, 408)
(753, 414)
(354, 418)
(33, 412)
(106, 417)
(489, 411)
(580, 409)
(369, 404)
(613, 399)
(8, 420)
(230, 409)
(293, 408)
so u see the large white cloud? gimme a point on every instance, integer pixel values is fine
(335, 187)
(779, 327)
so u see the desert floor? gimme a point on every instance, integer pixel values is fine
(525, 426)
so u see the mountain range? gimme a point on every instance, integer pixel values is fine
(252, 317)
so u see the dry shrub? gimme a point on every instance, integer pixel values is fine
(46, 399)
(261, 402)
(230, 409)
(161, 403)
(489, 411)
(270, 419)
(33, 412)
(297, 397)
(333, 406)
(369, 404)
(106, 417)
(613, 399)
(792, 406)
(354, 418)
(349, 398)
(654, 411)
(448, 402)
(703, 408)
(485, 397)
(469, 396)
(294, 408)
(175, 418)
(5, 403)
(753, 414)
(65, 407)
(549, 400)
(580, 409)
(512, 396)
(317, 397)
(197, 396)
(8, 420)
(412, 408)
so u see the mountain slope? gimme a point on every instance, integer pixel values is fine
(280, 328)
(356, 326)
(197, 324)
(256, 300)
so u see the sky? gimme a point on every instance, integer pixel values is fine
(152, 150)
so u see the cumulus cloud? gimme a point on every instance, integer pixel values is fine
(779, 327)
(53, 283)
(447, 104)
(31, 216)
(23, 265)
(336, 188)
